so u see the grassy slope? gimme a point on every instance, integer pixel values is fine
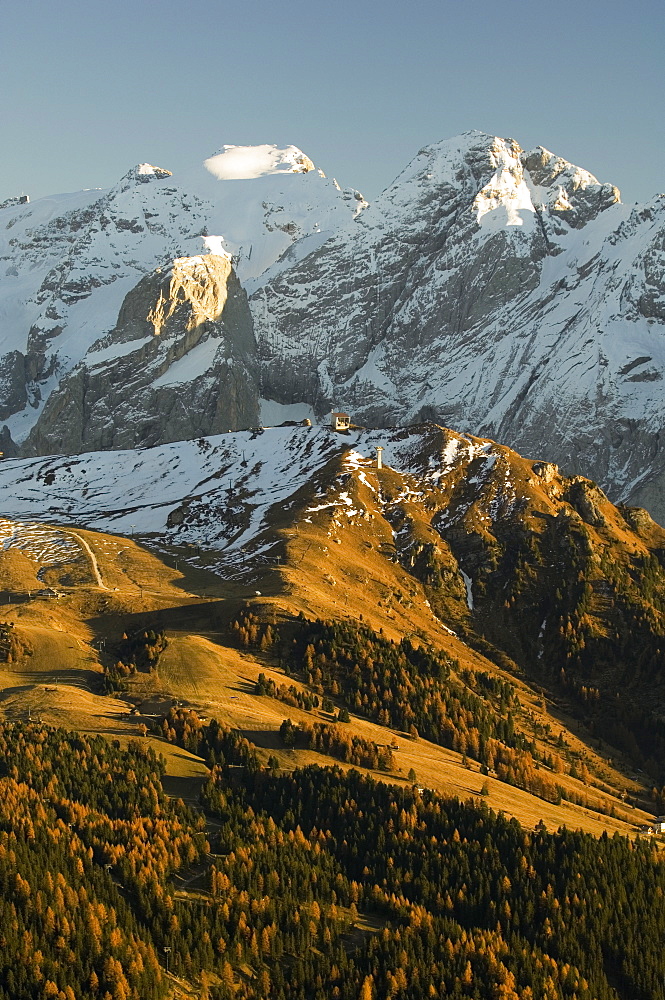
(58, 677)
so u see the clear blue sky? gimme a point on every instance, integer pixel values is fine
(89, 89)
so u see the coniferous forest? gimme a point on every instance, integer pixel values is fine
(310, 885)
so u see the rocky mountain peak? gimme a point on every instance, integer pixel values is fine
(181, 360)
(200, 284)
(142, 173)
(496, 185)
(573, 193)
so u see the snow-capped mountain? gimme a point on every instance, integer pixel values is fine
(68, 262)
(500, 291)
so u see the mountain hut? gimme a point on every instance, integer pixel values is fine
(340, 421)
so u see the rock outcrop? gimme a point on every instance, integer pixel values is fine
(181, 363)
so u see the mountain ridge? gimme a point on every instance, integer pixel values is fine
(501, 291)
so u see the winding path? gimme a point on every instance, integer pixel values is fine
(93, 560)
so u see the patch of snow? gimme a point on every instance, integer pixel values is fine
(215, 245)
(247, 162)
(354, 460)
(192, 365)
(102, 355)
(365, 481)
(46, 545)
(450, 452)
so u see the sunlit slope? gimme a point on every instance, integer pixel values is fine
(55, 674)
(457, 543)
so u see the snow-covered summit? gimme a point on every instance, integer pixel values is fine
(500, 184)
(68, 261)
(142, 173)
(261, 200)
(246, 162)
(494, 289)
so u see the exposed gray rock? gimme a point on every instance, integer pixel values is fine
(638, 519)
(546, 470)
(584, 496)
(13, 394)
(495, 290)
(181, 363)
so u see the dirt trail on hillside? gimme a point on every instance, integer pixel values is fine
(93, 560)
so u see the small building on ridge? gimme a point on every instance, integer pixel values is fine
(340, 421)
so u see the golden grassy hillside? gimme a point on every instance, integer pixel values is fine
(343, 561)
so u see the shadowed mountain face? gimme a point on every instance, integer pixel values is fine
(500, 291)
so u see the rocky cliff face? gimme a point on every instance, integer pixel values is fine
(181, 363)
(496, 290)
(68, 262)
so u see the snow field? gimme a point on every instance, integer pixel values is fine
(47, 546)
